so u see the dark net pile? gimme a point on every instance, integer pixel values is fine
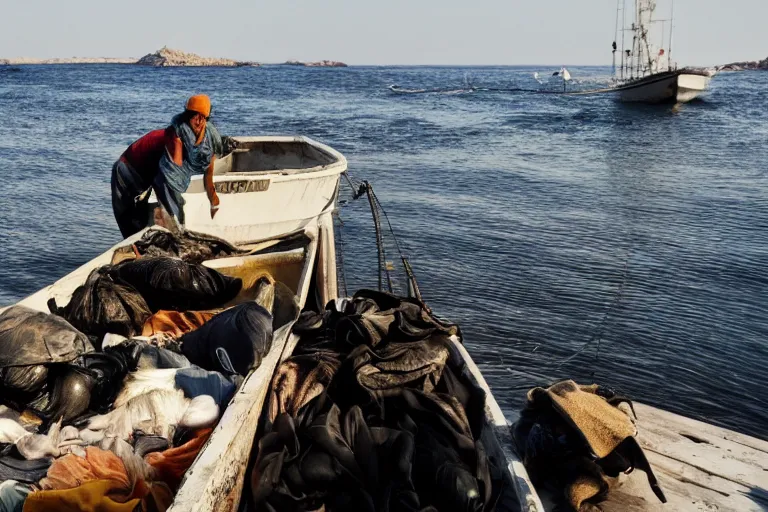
(371, 414)
(189, 246)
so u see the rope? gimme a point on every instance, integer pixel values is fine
(389, 224)
(364, 187)
(600, 330)
(352, 185)
(379, 239)
(515, 89)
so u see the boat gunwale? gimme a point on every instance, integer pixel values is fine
(338, 160)
(200, 488)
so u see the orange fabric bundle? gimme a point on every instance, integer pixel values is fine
(93, 496)
(71, 471)
(172, 463)
(96, 483)
(175, 323)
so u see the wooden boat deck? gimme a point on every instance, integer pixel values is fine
(701, 467)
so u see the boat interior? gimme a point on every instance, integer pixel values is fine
(264, 155)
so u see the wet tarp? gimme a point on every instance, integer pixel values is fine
(29, 337)
(188, 245)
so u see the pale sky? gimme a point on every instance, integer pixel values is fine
(457, 32)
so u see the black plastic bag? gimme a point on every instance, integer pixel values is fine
(234, 341)
(170, 283)
(102, 306)
(29, 337)
(107, 370)
(71, 388)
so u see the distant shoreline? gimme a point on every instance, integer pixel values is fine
(25, 61)
(164, 57)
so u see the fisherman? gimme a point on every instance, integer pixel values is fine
(165, 160)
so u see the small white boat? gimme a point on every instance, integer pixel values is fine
(268, 186)
(679, 86)
(646, 72)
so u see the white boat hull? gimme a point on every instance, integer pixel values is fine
(267, 187)
(691, 86)
(679, 87)
(287, 205)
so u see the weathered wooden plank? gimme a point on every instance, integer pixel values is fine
(699, 466)
(652, 416)
(710, 449)
(685, 491)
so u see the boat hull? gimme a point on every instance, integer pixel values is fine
(276, 205)
(268, 187)
(678, 87)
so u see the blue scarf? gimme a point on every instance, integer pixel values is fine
(173, 180)
(196, 158)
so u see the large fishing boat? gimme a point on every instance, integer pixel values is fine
(282, 193)
(645, 71)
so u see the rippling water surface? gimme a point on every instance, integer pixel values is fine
(570, 236)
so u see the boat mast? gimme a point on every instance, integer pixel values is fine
(649, 8)
(644, 19)
(636, 41)
(615, 36)
(658, 59)
(623, 36)
(671, 27)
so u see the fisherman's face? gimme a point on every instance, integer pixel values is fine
(196, 123)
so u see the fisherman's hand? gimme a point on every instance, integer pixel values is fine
(229, 144)
(214, 205)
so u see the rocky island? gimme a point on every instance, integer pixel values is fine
(318, 64)
(745, 66)
(166, 57)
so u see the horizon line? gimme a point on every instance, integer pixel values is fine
(284, 63)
